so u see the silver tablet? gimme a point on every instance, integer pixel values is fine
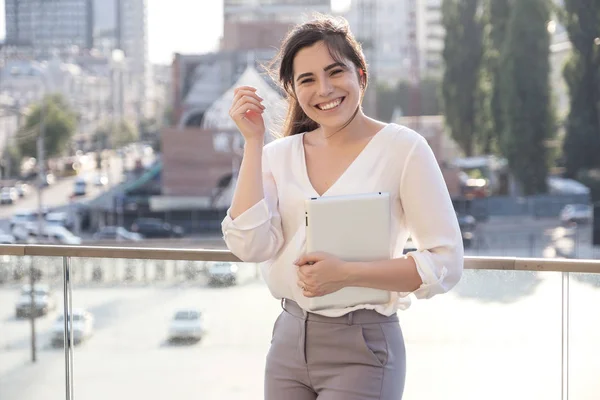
(353, 228)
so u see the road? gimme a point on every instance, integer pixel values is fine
(58, 195)
(496, 336)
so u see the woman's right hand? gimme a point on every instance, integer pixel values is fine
(246, 111)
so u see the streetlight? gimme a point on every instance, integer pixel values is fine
(116, 60)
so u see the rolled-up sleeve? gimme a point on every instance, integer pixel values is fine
(431, 221)
(256, 234)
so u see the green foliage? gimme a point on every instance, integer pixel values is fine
(400, 97)
(526, 95)
(581, 147)
(498, 13)
(115, 135)
(463, 55)
(59, 125)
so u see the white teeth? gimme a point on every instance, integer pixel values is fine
(331, 105)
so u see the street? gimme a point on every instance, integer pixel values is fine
(58, 195)
(497, 335)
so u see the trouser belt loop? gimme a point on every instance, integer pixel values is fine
(350, 317)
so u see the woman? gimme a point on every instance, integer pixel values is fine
(330, 147)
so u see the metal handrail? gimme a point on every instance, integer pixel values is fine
(483, 263)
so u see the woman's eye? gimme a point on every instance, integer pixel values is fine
(306, 81)
(337, 71)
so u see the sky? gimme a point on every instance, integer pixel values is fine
(183, 26)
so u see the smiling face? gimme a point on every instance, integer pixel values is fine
(328, 91)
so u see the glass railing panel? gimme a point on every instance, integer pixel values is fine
(584, 336)
(25, 364)
(170, 329)
(497, 335)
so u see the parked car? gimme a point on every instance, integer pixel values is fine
(6, 238)
(221, 273)
(23, 217)
(43, 300)
(100, 180)
(58, 219)
(187, 324)
(83, 327)
(80, 187)
(156, 228)
(117, 233)
(8, 195)
(50, 234)
(577, 213)
(22, 189)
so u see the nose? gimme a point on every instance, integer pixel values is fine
(325, 87)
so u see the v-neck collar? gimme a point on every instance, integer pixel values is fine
(335, 183)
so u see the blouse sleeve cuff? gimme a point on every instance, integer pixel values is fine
(252, 218)
(432, 284)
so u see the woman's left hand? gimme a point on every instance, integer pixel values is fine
(320, 274)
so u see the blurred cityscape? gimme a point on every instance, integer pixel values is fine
(101, 146)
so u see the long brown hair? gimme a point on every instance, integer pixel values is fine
(335, 33)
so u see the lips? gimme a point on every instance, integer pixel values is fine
(330, 105)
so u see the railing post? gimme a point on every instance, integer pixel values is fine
(68, 324)
(565, 337)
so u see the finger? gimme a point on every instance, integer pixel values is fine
(248, 93)
(247, 100)
(240, 113)
(309, 258)
(303, 274)
(250, 88)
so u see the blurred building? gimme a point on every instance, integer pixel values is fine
(381, 27)
(430, 37)
(95, 86)
(123, 24)
(262, 24)
(212, 145)
(46, 26)
(389, 30)
(42, 30)
(200, 79)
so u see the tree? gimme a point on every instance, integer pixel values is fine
(526, 94)
(498, 15)
(463, 52)
(123, 134)
(59, 124)
(392, 98)
(581, 147)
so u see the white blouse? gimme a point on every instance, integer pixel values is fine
(396, 160)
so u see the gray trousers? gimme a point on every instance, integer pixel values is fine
(358, 356)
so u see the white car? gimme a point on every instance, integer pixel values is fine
(43, 300)
(222, 273)
(100, 180)
(187, 324)
(83, 327)
(51, 234)
(58, 219)
(578, 213)
(23, 217)
(9, 195)
(6, 238)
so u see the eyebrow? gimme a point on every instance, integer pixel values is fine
(327, 68)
